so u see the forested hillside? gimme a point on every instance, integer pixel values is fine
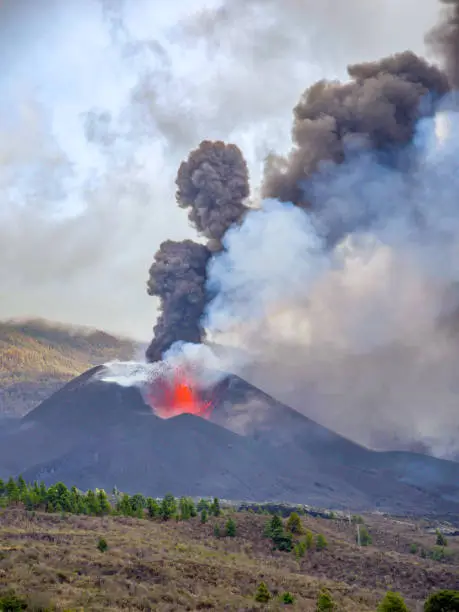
(37, 357)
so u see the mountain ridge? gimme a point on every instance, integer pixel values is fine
(37, 357)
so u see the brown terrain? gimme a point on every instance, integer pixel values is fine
(53, 561)
(38, 357)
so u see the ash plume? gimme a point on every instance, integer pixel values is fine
(178, 278)
(213, 183)
(380, 107)
(444, 39)
(357, 331)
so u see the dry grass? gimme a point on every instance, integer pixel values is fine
(160, 566)
(37, 358)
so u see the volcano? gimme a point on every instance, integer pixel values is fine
(249, 447)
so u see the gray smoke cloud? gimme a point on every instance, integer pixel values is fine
(91, 140)
(361, 336)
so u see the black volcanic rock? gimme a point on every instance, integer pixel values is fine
(97, 434)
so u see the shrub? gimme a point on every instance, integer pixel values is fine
(325, 601)
(102, 545)
(392, 602)
(283, 542)
(294, 523)
(203, 516)
(231, 528)
(11, 602)
(321, 542)
(300, 549)
(414, 549)
(437, 554)
(365, 537)
(441, 539)
(443, 601)
(152, 507)
(262, 594)
(168, 507)
(287, 599)
(274, 527)
(215, 507)
(309, 540)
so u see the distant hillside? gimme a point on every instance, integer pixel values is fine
(37, 357)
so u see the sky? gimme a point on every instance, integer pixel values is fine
(100, 101)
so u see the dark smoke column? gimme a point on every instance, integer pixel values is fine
(380, 106)
(213, 184)
(444, 39)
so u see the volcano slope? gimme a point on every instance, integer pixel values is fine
(96, 434)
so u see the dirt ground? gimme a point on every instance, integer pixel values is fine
(153, 565)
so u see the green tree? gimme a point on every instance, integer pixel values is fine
(215, 507)
(138, 503)
(168, 507)
(262, 594)
(300, 549)
(274, 526)
(152, 507)
(124, 506)
(2, 488)
(441, 539)
(11, 602)
(92, 503)
(294, 523)
(187, 508)
(392, 602)
(217, 531)
(203, 504)
(321, 542)
(287, 599)
(365, 537)
(102, 545)
(104, 504)
(12, 490)
(443, 601)
(309, 540)
(325, 601)
(203, 516)
(231, 528)
(22, 486)
(414, 548)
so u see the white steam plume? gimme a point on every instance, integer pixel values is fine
(358, 337)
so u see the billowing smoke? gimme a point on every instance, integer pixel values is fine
(445, 40)
(178, 277)
(213, 184)
(379, 108)
(339, 294)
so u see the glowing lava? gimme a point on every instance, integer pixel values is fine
(176, 394)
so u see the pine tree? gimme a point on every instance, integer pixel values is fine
(12, 491)
(215, 508)
(152, 507)
(442, 601)
(294, 523)
(104, 504)
(321, 542)
(168, 507)
(393, 602)
(262, 594)
(203, 516)
(231, 528)
(325, 601)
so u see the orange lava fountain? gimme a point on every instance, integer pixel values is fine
(176, 395)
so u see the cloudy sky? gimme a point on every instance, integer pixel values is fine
(100, 100)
